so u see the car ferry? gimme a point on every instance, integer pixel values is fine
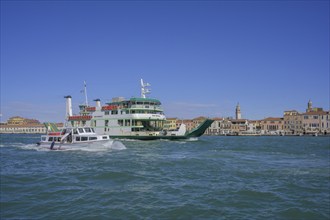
(136, 118)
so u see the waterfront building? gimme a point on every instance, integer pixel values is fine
(238, 126)
(292, 122)
(25, 129)
(314, 122)
(188, 122)
(191, 123)
(220, 126)
(170, 124)
(20, 125)
(272, 126)
(230, 126)
(325, 122)
(253, 127)
(17, 120)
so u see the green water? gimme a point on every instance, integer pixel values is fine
(209, 178)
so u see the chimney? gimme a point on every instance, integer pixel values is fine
(68, 106)
(98, 103)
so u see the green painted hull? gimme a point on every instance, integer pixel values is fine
(197, 132)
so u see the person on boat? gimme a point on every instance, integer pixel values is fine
(69, 139)
(52, 145)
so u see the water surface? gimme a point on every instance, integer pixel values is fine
(209, 178)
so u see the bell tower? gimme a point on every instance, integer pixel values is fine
(238, 112)
(309, 106)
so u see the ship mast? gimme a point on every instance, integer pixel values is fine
(85, 93)
(144, 89)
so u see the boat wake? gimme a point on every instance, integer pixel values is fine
(192, 139)
(95, 147)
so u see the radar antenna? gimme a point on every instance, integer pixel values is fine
(144, 89)
(85, 93)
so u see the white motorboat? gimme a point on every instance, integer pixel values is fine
(73, 137)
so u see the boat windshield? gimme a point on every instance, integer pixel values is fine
(88, 130)
(66, 130)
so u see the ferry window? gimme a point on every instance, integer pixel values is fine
(43, 138)
(92, 129)
(50, 139)
(104, 137)
(106, 113)
(84, 138)
(77, 138)
(81, 130)
(120, 122)
(75, 131)
(92, 138)
(88, 130)
(106, 123)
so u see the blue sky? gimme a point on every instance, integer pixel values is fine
(201, 57)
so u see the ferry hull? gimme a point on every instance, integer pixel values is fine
(149, 138)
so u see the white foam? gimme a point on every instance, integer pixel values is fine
(117, 145)
(95, 147)
(192, 139)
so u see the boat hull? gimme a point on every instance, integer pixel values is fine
(63, 146)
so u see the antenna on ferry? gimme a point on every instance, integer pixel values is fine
(85, 92)
(144, 89)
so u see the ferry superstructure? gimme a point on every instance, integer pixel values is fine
(136, 118)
